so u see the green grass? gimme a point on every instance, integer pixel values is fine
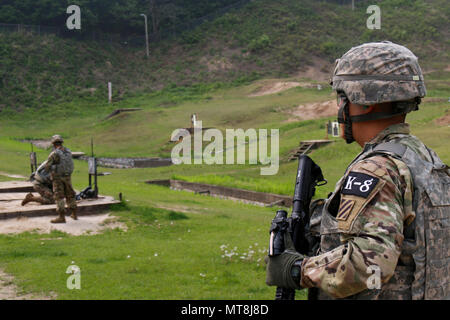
(158, 258)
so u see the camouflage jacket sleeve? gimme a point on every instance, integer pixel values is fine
(52, 159)
(376, 201)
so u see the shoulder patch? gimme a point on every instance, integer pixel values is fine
(359, 184)
(352, 205)
(344, 209)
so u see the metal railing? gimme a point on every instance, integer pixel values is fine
(38, 30)
(92, 35)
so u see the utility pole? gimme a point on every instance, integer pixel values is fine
(353, 5)
(146, 33)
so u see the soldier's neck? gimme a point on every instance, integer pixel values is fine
(366, 131)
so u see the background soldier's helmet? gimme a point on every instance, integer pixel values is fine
(57, 139)
(379, 72)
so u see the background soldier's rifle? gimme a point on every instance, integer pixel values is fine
(91, 191)
(33, 159)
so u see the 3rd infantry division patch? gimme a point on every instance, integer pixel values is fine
(344, 209)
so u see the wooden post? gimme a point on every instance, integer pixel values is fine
(33, 159)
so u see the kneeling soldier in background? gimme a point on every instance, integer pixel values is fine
(42, 185)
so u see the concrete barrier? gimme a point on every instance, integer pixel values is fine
(127, 163)
(266, 199)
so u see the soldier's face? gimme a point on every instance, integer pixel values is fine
(359, 129)
(357, 110)
(364, 131)
(354, 110)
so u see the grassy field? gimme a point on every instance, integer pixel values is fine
(179, 245)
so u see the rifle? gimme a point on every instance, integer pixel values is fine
(309, 175)
(87, 193)
(33, 159)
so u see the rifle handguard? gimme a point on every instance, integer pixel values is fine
(309, 176)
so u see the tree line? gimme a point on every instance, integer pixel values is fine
(111, 16)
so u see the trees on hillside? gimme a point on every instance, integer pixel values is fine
(115, 16)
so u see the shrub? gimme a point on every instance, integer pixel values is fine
(259, 44)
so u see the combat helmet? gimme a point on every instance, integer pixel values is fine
(57, 139)
(377, 72)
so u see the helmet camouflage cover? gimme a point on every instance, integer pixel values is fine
(378, 72)
(57, 138)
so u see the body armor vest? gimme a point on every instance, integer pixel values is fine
(427, 238)
(65, 165)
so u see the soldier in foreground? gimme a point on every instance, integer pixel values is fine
(60, 166)
(388, 215)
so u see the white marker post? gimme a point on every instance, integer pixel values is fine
(146, 33)
(109, 92)
(335, 129)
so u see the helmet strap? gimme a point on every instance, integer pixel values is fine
(344, 118)
(375, 116)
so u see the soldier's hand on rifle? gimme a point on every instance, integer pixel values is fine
(284, 270)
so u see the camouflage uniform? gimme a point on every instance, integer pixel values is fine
(388, 217)
(46, 194)
(42, 185)
(364, 231)
(62, 185)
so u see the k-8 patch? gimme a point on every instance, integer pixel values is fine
(359, 184)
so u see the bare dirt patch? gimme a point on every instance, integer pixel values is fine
(92, 224)
(444, 120)
(315, 110)
(9, 291)
(14, 176)
(319, 70)
(43, 144)
(273, 88)
(433, 99)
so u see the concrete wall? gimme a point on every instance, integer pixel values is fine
(126, 163)
(234, 193)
